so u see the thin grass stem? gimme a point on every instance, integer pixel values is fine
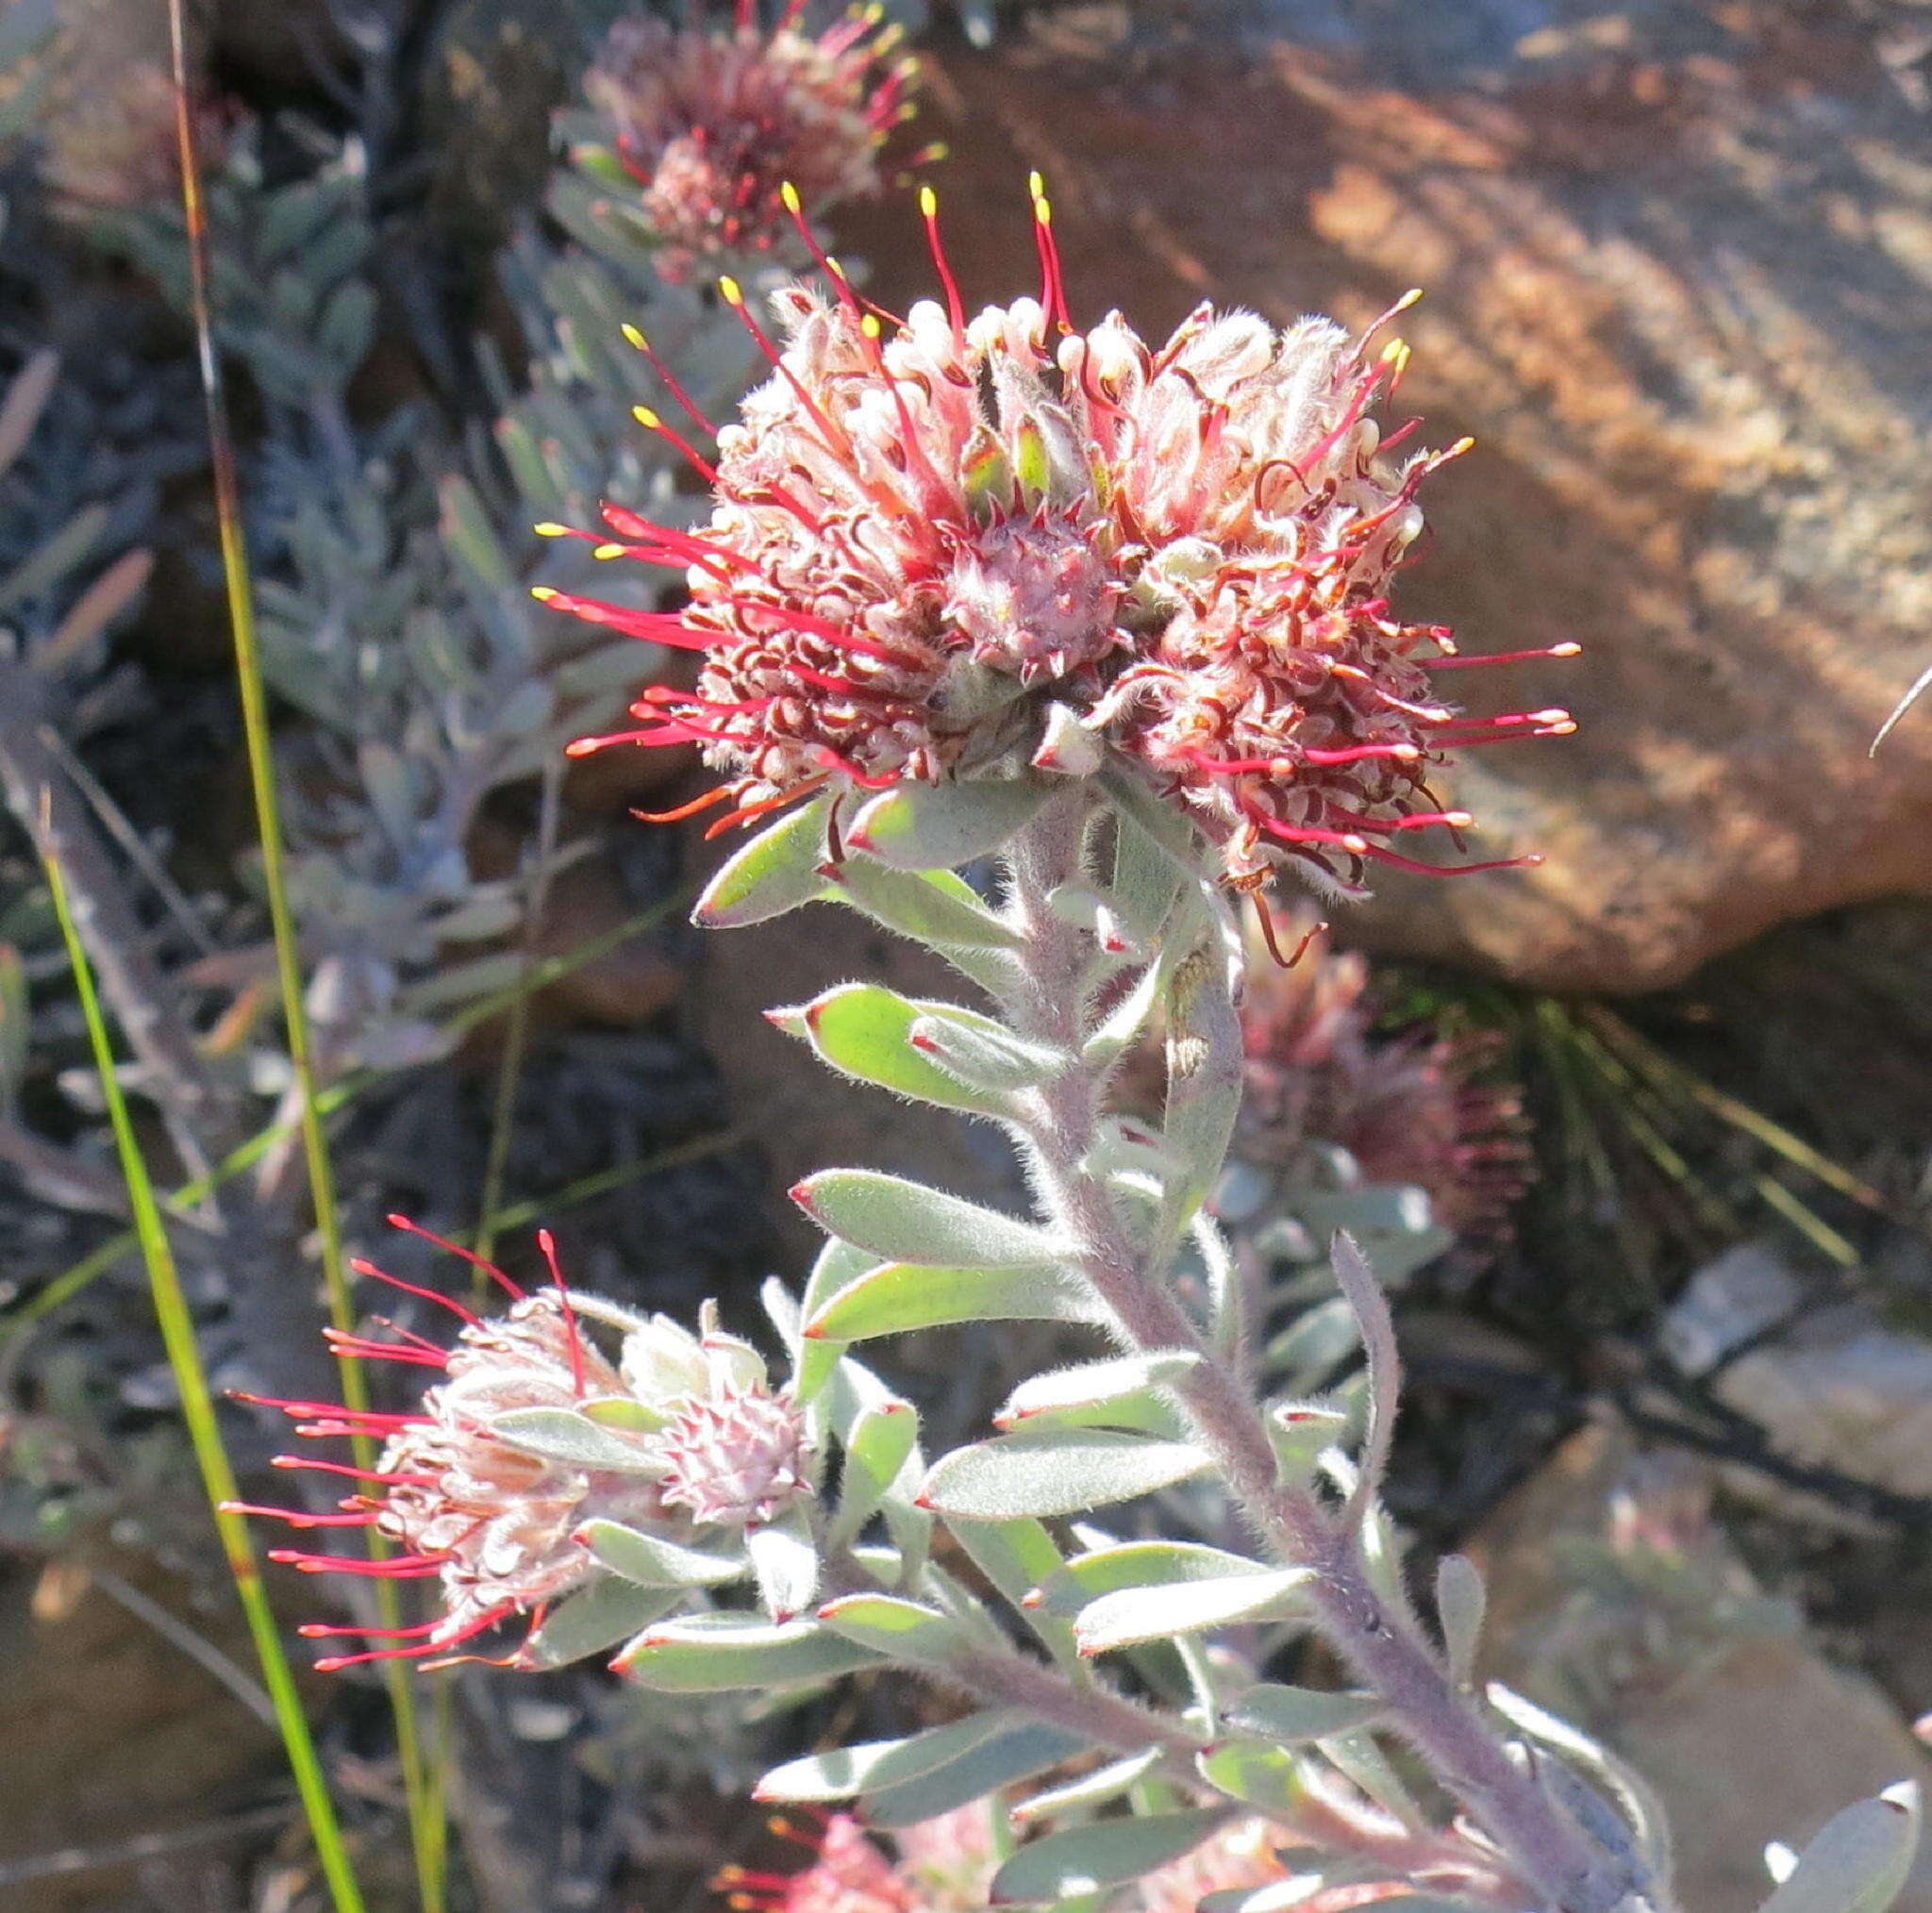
(255, 721)
(204, 1435)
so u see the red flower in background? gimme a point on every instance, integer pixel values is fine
(712, 123)
(1415, 1107)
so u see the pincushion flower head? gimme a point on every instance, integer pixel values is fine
(1415, 1107)
(534, 1433)
(948, 548)
(711, 121)
(945, 1865)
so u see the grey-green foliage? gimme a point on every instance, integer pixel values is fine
(1219, 1740)
(1104, 1434)
(289, 294)
(395, 565)
(81, 464)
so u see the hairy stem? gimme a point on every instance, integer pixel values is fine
(1385, 1648)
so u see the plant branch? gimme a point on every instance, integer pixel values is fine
(1383, 1645)
(49, 811)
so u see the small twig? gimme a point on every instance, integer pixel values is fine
(58, 1176)
(114, 820)
(44, 804)
(203, 1652)
(141, 1847)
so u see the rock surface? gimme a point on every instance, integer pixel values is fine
(1831, 1386)
(1615, 1601)
(1678, 261)
(149, 1747)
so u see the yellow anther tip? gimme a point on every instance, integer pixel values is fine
(632, 336)
(870, 326)
(646, 417)
(928, 202)
(549, 530)
(1035, 186)
(788, 195)
(606, 550)
(542, 593)
(728, 291)
(1409, 299)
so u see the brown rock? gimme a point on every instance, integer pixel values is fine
(1616, 1602)
(586, 902)
(111, 1734)
(1678, 295)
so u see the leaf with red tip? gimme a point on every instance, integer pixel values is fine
(706, 1654)
(906, 1221)
(867, 1032)
(940, 826)
(777, 871)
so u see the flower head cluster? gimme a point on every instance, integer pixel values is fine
(712, 123)
(1416, 1107)
(691, 1437)
(946, 1866)
(940, 1866)
(109, 143)
(944, 548)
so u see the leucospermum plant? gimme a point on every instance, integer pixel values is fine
(1104, 624)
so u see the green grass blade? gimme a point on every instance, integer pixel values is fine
(204, 1432)
(261, 778)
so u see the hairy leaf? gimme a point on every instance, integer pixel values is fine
(1134, 1564)
(890, 1624)
(777, 871)
(703, 1654)
(1103, 1784)
(905, 1221)
(1015, 1753)
(1129, 1616)
(651, 1561)
(1857, 1862)
(563, 1435)
(1459, 1604)
(1252, 1770)
(1016, 1556)
(785, 1558)
(1291, 1714)
(881, 1438)
(594, 1619)
(869, 1033)
(1108, 1852)
(940, 826)
(933, 906)
(848, 1771)
(983, 1054)
(896, 1297)
(1095, 1384)
(837, 1264)
(1055, 1472)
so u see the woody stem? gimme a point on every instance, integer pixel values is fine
(1381, 1641)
